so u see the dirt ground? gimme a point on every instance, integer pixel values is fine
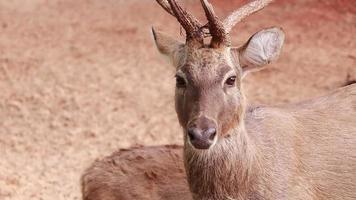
(80, 79)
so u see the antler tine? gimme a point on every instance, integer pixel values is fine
(165, 5)
(243, 12)
(216, 27)
(190, 24)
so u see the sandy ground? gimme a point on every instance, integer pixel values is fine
(80, 79)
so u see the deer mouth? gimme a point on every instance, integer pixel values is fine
(201, 145)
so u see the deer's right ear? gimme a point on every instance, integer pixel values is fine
(166, 44)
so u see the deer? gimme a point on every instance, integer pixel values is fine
(233, 150)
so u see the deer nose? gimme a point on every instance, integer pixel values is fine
(201, 139)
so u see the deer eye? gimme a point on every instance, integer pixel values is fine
(180, 82)
(230, 81)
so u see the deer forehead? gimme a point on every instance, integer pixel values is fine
(207, 64)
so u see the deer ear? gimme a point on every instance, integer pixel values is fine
(262, 48)
(166, 44)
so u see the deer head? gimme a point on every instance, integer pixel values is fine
(209, 100)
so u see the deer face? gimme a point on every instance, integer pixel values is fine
(209, 100)
(208, 97)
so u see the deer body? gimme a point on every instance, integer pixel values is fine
(144, 173)
(231, 151)
(282, 154)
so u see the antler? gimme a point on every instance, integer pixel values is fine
(218, 30)
(216, 27)
(190, 24)
(243, 12)
(165, 5)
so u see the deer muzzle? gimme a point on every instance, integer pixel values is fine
(202, 133)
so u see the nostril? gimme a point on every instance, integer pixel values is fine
(211, 132)
(200, 138)
(192, 134)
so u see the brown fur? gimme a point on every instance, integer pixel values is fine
(138, 173)
(299, 151)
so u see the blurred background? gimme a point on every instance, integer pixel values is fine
(80, 79)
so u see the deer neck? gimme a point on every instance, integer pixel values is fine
(225, 171)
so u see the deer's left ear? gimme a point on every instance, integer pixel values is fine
(262, 48)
